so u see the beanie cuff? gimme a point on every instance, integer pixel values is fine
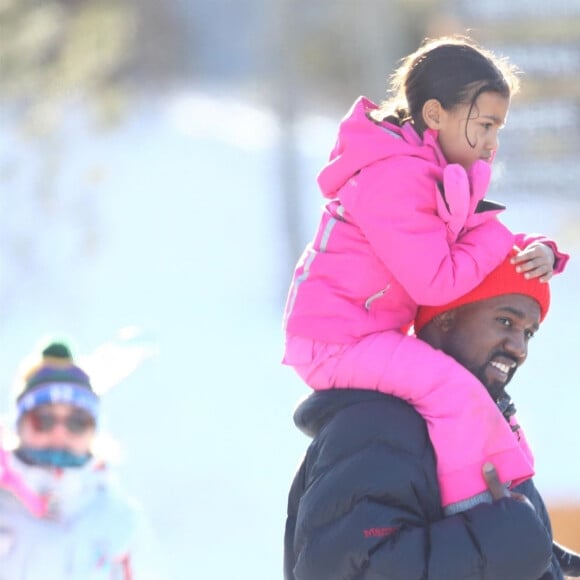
(59, 392)
(503, 280)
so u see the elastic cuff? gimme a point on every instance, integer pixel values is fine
(466, 504)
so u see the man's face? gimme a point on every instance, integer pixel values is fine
(57, 426)
(490, 337)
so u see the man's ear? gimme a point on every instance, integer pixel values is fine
(432, 113)
(445, 321)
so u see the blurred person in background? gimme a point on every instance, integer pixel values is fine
(63, 516)
(365, 502)
(407, 223)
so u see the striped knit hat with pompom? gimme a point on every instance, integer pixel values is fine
(56, 379)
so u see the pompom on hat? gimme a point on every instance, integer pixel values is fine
(503, 280)
(56, 379)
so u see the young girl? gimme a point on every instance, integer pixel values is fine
(407, 224)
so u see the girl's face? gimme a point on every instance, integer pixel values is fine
(466, 136)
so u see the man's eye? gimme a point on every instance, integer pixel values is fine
(530, 334)
(505, 321)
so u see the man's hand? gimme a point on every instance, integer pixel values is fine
(498, 490)
(535, 261)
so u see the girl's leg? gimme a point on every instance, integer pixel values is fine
(465, 426)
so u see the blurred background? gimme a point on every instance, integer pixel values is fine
(157, 184)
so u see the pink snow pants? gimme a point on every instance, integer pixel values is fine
(465, 426)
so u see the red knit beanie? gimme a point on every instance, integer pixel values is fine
(503, 280)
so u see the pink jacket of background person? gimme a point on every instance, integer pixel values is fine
(403, 227)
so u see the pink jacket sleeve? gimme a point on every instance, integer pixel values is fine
(398, 217)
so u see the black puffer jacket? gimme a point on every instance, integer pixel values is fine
(365, 504)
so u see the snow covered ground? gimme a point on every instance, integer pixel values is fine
(191, 250)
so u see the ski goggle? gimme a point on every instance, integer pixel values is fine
(76, 422)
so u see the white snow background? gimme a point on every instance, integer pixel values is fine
(192, 252)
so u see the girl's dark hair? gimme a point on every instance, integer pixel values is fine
(452, 69)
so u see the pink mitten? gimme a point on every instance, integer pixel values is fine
(479, 177)
(453, 204)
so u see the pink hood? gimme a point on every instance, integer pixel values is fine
(361, 142)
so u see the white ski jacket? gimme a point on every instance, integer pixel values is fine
(89, 529)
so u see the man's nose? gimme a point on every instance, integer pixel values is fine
(517, 345)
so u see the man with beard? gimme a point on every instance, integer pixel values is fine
(365, 502)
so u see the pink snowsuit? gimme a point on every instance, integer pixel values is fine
(401, 229)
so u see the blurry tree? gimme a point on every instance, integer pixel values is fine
(57, 57)
(68, 69)
(165, 43)
(53, 52)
